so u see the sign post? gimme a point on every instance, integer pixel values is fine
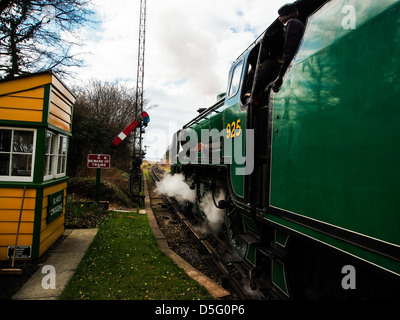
(98, 161)
(97, 197)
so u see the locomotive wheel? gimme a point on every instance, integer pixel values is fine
(234, 228)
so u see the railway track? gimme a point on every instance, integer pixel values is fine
(219, 260)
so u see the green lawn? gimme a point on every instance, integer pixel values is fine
(125, 263)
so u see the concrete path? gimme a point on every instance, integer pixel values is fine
(65, 260)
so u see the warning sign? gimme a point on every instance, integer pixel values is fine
(23, 252)
(101, 161)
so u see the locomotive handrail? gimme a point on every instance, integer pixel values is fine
(218, 104)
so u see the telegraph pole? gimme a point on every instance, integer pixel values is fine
(138, 154)
(140, 72)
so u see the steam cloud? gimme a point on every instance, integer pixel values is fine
(215, 216)
(175, 186)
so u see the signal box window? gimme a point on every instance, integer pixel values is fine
(55, 163)
(50, 153)
(16, 154)
(62, 155)
(235, 81)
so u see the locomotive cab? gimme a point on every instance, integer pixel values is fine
(270, 46)
(255, 95)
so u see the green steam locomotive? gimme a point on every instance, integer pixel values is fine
(307, 178)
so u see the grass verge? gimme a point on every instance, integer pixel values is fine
(83, 215)
(124, 262)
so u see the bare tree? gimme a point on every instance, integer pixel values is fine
(38, 35)
(102, 110)
(113, 104)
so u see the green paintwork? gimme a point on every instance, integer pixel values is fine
(232, 113)
(201, 126)
(39, 155)
(46, 103)
(216, 120)
(56, 129)
(251, 253)
(278, 276)
(23, 124)
(335, 132)
(335, 151)
(45, 184)
(281, 237)
(366, 255)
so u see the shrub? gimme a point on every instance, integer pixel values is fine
(85, 188)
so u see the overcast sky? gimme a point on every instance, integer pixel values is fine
(190, 46)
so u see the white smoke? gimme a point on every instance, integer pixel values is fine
(175, 186)
(214, 216)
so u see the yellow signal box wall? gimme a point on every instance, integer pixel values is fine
(35, 128)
